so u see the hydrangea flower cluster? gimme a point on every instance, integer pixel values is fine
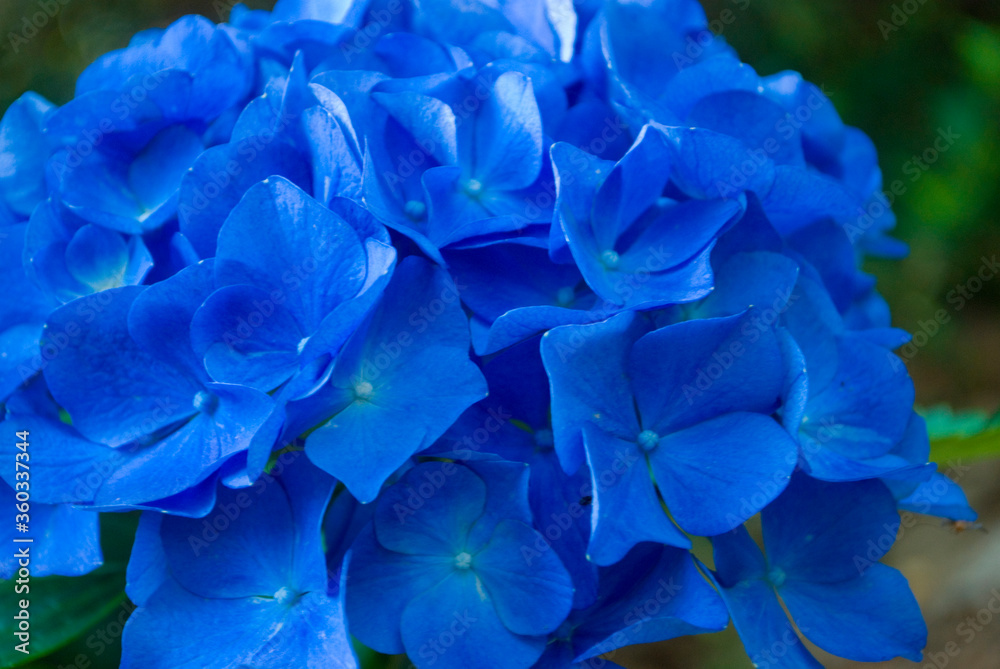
(477, 331)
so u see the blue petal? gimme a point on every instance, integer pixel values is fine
(461, 602)
(329, 11)
(336, 169)
(799, 197)
(587, 367)
(507, 489)
(939, 496)
(381, 583)
(243, 548)
(415, 377)
(531, 596)
(65, 539)
(430, 510)
(139, 392)
(244, 337)
(761, 279)
(760, 123)
(623, 489)
(561, 514)
(160, 317)
(658, 594)
(147, 563)
(97, 257)
(322, 251)
(522, 324)
(764, 629)
(155, 174)
(66, 468)
(192, 46)
(813, 321)
(429, 120)
(865, 409)
(454, 213)
(692, 371)
(723, 74)
(509, 135)
(23, 151)
(222, 175)
(817, 531)
(578, 175)
(707, 164)
(719, 473)
(235, 632)
(829, 465)
(872, 617)
(195, 450)
(531, 278)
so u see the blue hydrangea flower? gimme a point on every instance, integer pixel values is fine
(252, 572)
(540, 294)
(656, 593)
(687, 406)
(450, 536)
(156, 400)
(141, 117)
(634, 246)
(476, 164)
(820, 560)
(513, 422)
(289, 293)
(296, 130)
(247, 261)
(402, 379)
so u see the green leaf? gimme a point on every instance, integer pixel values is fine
(371, 659)
(966, 435)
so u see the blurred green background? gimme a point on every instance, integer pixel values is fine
(901, 71)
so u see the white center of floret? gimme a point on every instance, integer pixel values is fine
(363, 390)
(463, 560)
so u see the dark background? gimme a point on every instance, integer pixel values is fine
(901, 71)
